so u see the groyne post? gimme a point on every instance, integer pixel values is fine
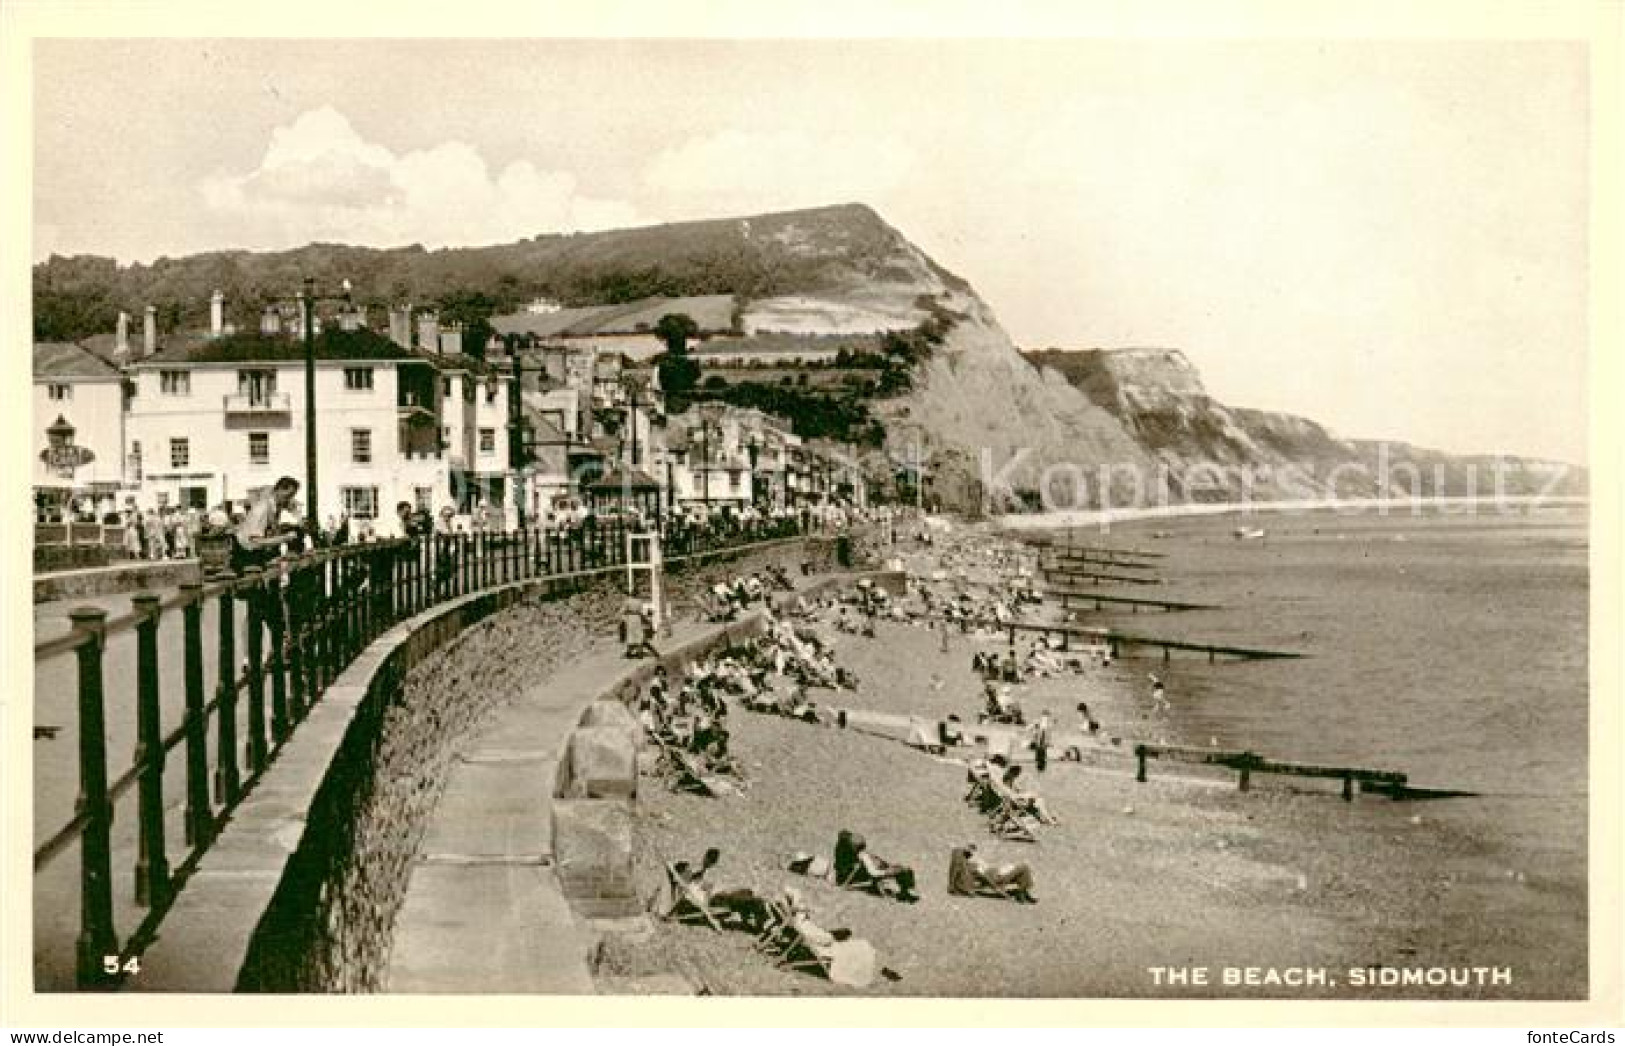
(96, 935)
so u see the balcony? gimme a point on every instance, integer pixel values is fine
(259, 403)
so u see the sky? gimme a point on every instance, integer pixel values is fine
(1388, 237)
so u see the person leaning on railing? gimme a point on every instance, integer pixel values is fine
(262, 536)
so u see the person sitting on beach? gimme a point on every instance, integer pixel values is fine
(949, 732)
(1089, 723)
(969, 874)
(855, 866)
(1159, 695)
(1028, 802)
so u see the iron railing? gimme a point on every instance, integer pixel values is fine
(306, 619)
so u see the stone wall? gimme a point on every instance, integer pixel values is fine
(131, 576)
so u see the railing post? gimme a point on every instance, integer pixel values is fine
(337, 576)
(199, 815)
(256, 670)
(297, 632)
(277, 620)
(420, 555)
(419, 578)
(97, 938)
(322, 619)
(1139, 756)
(227, 780)
(152, 863)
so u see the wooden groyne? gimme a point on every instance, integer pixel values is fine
(1117, 642)
(1067, 597)
(1123, 640)
(1246, 764)
(1074, 558)
(1057, 545)
(1096, 577)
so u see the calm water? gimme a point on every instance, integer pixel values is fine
(1452, 648)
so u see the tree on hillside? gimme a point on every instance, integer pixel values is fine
(675, 329)
(678, 371)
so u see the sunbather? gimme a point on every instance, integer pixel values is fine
(969, 874)
(1029, 801)
(856, 866)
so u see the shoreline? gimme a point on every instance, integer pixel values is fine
(1181, 871)
(1105, 518)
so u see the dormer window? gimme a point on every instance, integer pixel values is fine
(358, 379)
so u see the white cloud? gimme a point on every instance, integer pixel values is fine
(767, 170)
(320, 180)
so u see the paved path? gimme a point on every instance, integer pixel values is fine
(484, 911)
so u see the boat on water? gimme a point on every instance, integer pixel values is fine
(1249, 533)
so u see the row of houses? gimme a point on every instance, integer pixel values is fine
(204, 418)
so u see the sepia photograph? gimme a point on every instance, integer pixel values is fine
(865, 516)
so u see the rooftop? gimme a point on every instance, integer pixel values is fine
(66, 359)
(260, 348)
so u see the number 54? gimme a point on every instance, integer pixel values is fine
(114, 964)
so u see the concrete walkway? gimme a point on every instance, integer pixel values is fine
(484, 910)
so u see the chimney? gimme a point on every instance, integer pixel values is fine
(400, 325)
(121, 346)
(351, 318)
(429, 332)
(451, 340)
(270, 321)
(217, 314)
(149, 332)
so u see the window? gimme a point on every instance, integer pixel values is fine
(361, 446)
(491, 387)
(175, 382)
(733, 479)
(259, 448)
(488, 441)
(256, 386)
(60, 392)
(135, 460)
(180, 452)
(358, 379)
(360, 502)
(445, 386)
(423, 498)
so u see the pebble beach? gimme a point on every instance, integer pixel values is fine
(1283, 891)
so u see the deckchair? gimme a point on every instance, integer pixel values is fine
(1010, 817)
(686, 773)
(689, 902)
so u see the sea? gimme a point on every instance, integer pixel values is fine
(1448, 645)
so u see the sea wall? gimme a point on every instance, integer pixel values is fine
(300, 892)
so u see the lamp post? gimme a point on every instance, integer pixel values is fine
(754, 451)
(517, 457)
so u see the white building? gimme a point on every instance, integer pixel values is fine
(214, 420)
(78, 420)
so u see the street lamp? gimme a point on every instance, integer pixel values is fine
(517, 451)
(754, 451)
